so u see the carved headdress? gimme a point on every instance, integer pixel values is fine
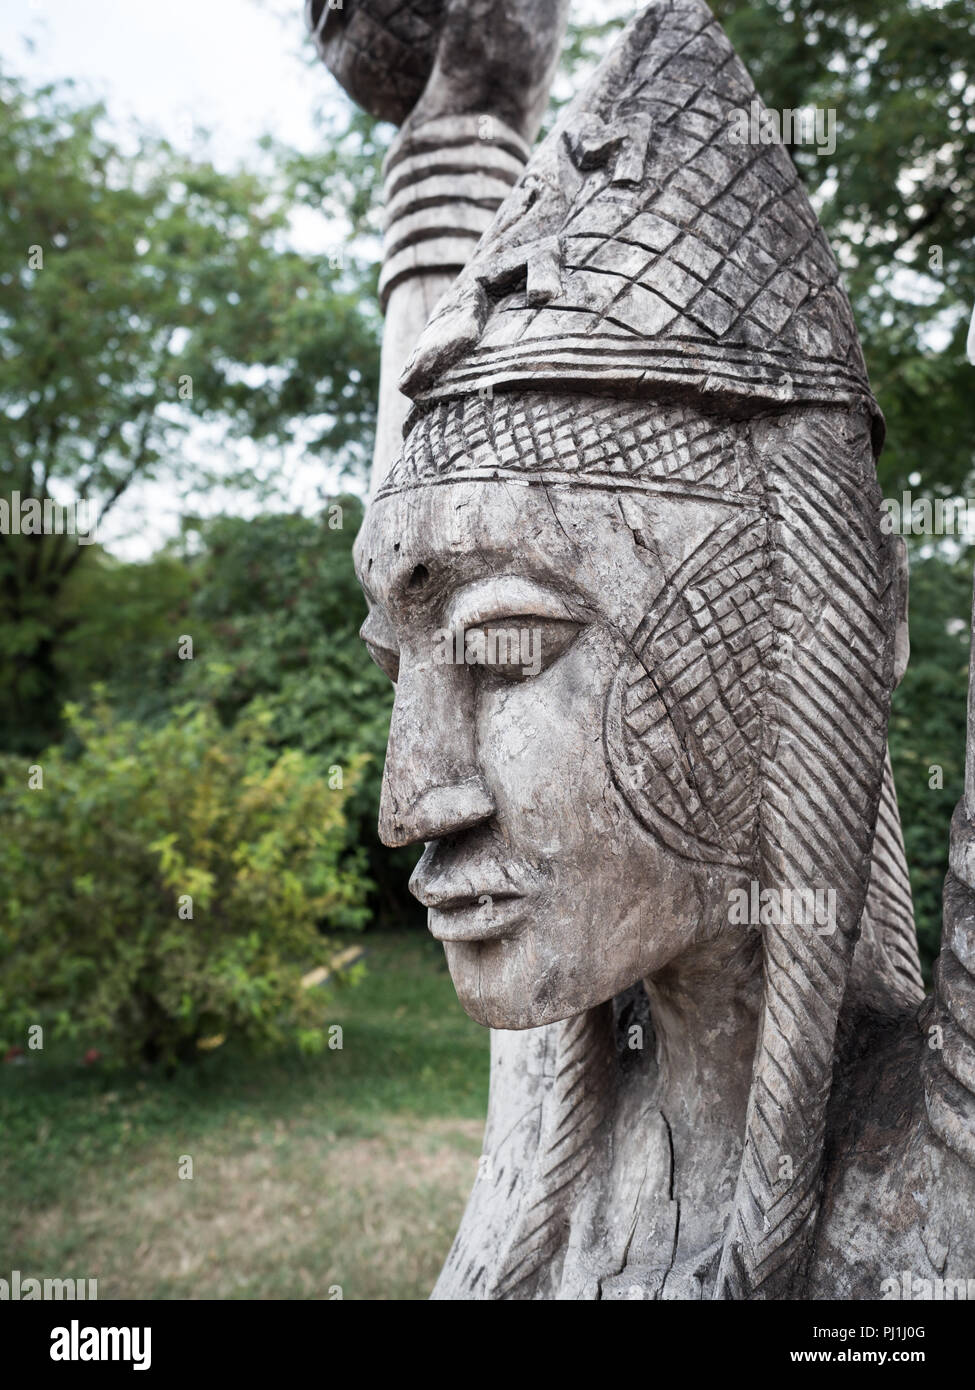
(656, 308)
(647, 253)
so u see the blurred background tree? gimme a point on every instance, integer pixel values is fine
(143, 293)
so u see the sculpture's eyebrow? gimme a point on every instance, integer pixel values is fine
(508, 595)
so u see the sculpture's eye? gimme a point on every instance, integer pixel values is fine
(386, 659)
(518, 648)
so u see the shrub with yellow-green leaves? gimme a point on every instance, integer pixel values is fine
(159, 886)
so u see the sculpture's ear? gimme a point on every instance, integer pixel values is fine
(902, 638)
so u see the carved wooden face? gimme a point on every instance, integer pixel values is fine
(525, 748)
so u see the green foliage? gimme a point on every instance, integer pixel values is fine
(927, 730)
(120, 624)
(96, 864)
(274, 610)
(897, 199)
(157, 267)
(280, 607)
(142, 293)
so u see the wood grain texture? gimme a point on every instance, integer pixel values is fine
(642, 423)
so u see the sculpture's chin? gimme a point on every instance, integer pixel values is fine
(509, 1015)
(497, 990)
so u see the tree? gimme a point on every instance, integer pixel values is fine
(142, 291)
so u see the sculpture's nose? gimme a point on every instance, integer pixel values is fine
(432, 784)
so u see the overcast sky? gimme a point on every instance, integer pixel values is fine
(233, 66)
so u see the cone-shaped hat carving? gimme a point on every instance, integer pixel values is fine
(649, 250)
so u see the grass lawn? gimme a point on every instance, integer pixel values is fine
(348, 1169)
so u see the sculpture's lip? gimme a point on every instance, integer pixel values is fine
(482, 917)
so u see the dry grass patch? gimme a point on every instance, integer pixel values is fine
(290, 1219)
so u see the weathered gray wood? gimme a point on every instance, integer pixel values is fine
(468, 81)
(641, 471)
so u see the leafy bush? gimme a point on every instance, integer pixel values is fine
(274, 610)
(100, 862)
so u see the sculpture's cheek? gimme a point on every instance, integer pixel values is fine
(540, 751)
(610, 905)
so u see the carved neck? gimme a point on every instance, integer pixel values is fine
(705, 1008)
